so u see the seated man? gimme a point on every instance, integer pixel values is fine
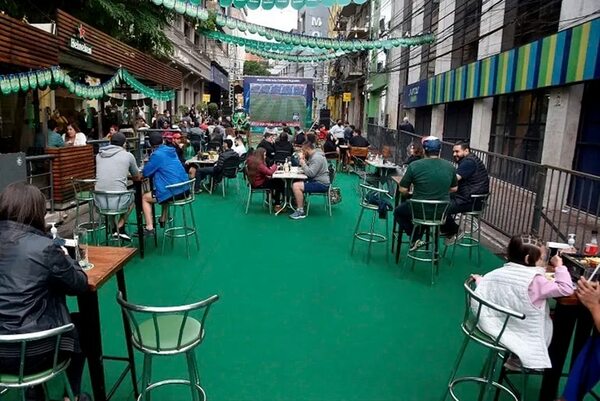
(315, 167)
(228, 157)
(358, 140)
(165, 169)
(268, 144)
(472, 179)
(113, 165)
(432, 178)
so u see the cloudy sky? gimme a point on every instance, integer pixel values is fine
(284, 20)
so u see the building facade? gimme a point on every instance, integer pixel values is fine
(515, 77)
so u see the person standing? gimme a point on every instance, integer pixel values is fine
(337, 130)
(315, 167)
(473, 179)
(431, 178)
(406, 126)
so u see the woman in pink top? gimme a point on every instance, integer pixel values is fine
(260, 176)
(522, 285)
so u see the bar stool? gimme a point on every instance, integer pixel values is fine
(470, 222)
(475, 306)
(168, 331)
(371, 236)
(22, 381)
(429, 215)
(112, 205)
(182, 195)
(82, 189)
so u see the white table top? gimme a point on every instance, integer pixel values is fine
(295, 173)
(195, 160)
(380, 164)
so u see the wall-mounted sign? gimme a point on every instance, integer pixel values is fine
(77, 41)
(347, 97)
(206, 98)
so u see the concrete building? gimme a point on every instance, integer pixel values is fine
(516, 77)
(348, 73)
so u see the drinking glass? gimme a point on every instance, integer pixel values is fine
(82, 238)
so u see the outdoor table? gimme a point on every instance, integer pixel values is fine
(569, 317)
(295, 173)
(205, 162)
(383, 167)
(108, 261)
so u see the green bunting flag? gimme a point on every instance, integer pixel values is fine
(24, 81)
(187, 7)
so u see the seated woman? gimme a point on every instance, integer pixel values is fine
(329, 145)
(35, 276)
(415, 152)
(74, 137)
(283, 148)
(521, 285)
(259, 175)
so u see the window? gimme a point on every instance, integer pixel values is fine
(518, 125)
(457, 124)
(430, 23)
(465, 40)
(529, 20)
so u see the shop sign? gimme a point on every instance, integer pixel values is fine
(347, 97)
(415, 95)
(77, 42)
(206, 98)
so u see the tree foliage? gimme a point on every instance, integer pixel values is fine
(256, 68)
(139, 23)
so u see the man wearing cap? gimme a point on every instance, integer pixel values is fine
(268, 143)
(165, 169)
(113, 165)
(431, 178)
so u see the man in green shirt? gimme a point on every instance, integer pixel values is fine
(54, 138)
(431, 178)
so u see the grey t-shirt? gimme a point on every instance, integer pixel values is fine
(316, 168)
(113, 165)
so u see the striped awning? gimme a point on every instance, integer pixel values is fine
(566, 57)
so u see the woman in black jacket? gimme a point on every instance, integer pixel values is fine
(35, 276)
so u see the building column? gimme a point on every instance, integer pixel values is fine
(481, 123)
(437, 120)
(562, 124)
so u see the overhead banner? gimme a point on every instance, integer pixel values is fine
(271, 101)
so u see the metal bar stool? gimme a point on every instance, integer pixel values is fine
(474, 307)
(112, 205)
(168, 331)
(429, 215)
(21, 380)
(371, 236)
(471, 226)
(82, 189)
(182, 195)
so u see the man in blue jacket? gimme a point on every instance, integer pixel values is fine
(165, 169)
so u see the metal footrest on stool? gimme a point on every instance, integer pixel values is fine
(370, 237)
(481, 381)
(169, 382)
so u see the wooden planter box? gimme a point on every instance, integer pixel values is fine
(77, 162)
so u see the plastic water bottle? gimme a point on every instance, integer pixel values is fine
(591, 248)
(571, 240)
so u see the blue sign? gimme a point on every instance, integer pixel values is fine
(415, 95)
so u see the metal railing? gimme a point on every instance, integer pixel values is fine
(39, 173)
(525, 196)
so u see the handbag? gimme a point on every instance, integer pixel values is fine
(336, 195)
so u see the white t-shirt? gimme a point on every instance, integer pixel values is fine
(239, 149)
(337, 131)
(80, 139)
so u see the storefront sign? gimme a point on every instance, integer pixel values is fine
(206, 98)
(415, 95)
(77, 42)
(347, 97)
(219, 78)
